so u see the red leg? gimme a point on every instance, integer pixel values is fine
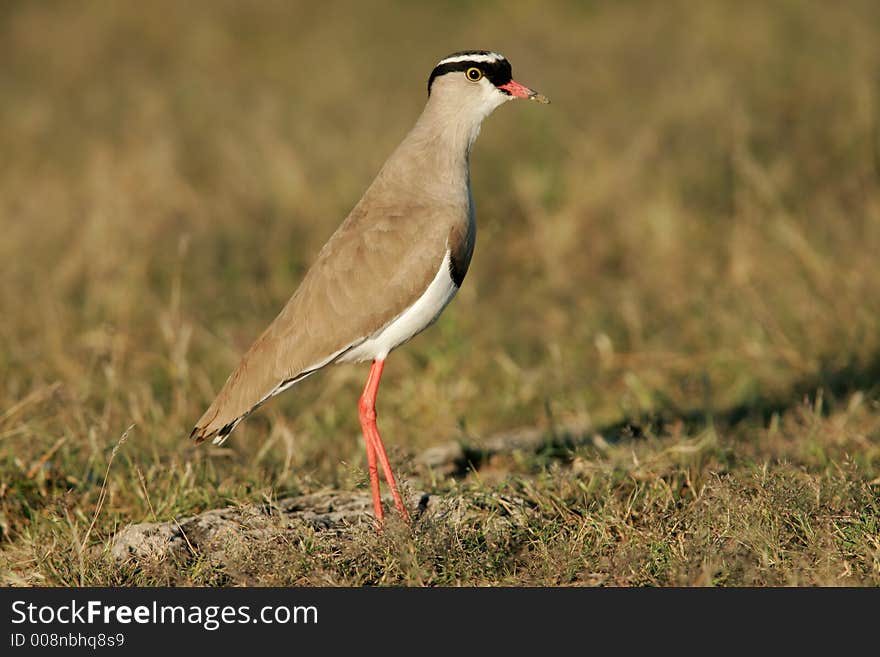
(374, 473)
(364, 414)
(367, 411)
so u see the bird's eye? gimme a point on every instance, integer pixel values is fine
(474, 74)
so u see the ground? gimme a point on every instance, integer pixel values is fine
(675, 294)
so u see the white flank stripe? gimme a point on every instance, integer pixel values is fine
(414, 319)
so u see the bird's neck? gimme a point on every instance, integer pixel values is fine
(434, 156)
(451, 130)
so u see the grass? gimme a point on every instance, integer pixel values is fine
(680, 253)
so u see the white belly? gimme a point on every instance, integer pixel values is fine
(411, 321)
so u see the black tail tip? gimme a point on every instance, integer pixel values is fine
(197, 435)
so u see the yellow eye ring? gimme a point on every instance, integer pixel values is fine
(473, 74)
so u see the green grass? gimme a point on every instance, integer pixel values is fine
(679, 253)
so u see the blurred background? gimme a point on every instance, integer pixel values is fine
(691, 227)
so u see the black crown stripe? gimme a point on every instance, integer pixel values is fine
(498, 72)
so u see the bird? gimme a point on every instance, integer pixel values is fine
(390, 268)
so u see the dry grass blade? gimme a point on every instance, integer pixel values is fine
(143, 483)
(103, 494)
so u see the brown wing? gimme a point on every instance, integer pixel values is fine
(377, 264)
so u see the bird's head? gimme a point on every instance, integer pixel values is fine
(477, 81)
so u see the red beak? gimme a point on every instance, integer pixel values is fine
(518, 90)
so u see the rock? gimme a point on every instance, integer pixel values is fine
(219, 533)
(145, 539)
(212, 530)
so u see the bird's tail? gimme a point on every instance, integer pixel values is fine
(216, 435)
(233, 403)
